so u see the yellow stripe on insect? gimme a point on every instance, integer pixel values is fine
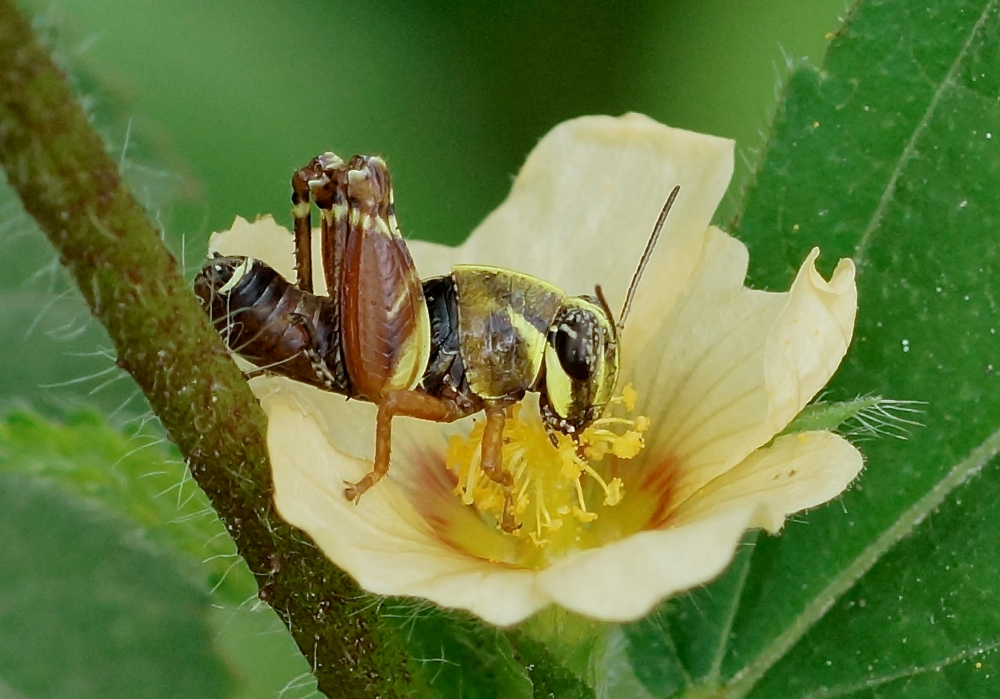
(238, 274)
(414, 354)
(335, 213)
(380, 225)
(533, 338)
(331, 160)
(402, 298)
(558, 384)
(356, 176)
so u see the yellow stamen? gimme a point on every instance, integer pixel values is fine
(558, 489)
(630, 396)
(471, 479)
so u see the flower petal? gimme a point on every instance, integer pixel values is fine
(583, 206)
(732, 366)
(797, 472)
(349, 426)
(624, 580)
(381, 542)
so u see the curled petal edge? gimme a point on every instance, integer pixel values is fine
(806, 338)
(797, 472)
(798, 363)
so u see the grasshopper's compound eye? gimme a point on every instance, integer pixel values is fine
(577, 341)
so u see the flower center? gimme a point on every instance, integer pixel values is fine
(560, 482)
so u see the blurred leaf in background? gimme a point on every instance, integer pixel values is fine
(88, 612)
(117, 573)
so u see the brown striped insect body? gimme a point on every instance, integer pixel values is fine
(475, 340)
(272, 323)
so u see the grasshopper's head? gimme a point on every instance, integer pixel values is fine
(581, 350)
(581, 365)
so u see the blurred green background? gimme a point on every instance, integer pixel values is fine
(210, 106)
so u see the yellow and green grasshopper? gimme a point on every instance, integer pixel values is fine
(439, 349)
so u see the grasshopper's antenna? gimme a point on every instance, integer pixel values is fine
(606, 308)
(650, 244)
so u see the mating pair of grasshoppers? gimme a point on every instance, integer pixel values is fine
(439, 349)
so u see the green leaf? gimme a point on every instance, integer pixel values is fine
(137, 475)
(458, 655)
(141, 478)
(575, 641)
(87, 610)
(680, 642)
(594, 656)
(614, 676)
(550, 679)
(260, 654)
(888, 155)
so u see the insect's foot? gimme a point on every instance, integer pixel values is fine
(354, 491)
(507, 523)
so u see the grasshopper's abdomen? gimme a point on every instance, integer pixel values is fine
(272, 323)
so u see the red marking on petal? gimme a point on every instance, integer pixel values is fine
(429, 482)
(654, 485)
(430, 487)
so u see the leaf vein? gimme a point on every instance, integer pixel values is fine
(877, 681)
(727, 627)
(743, 681)
(861, 250)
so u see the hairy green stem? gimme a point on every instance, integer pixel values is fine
(66, 181)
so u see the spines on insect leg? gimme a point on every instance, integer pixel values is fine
(320, 181)
(302, 215)
(332, 202)
(328, 188)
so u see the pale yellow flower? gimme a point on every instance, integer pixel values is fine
(719, 370)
